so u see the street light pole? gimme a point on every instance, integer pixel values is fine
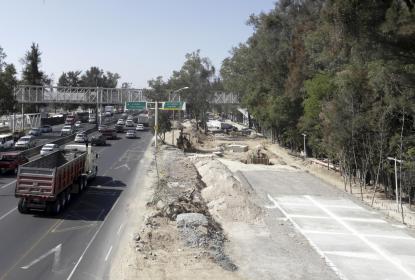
(305, 151)
(170, 93)
(396, 180)
(156, 124)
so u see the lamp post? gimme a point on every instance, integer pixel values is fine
(175, 91)
(396, 179)
(305, 151)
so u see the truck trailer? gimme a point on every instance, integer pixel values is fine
(47, 183)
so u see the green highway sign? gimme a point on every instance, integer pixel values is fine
(136, 105)
(173, 105)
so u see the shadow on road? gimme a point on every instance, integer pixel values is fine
(93, 204)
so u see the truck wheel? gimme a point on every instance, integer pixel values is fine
(21, 207)
(63, 200)
(56, 207)
(68, 197)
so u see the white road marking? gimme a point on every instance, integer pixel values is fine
(326, 232)
(373, 246)
(328, 206)
(108, 254)
(119, 229)
(364, 220)
(90, 242)
(57, 256)
(308, 216)
(5, 186)
(8, 213)
(124, 165)
(312, 244)
(359, 255)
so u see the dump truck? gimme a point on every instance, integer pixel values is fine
(47, 183)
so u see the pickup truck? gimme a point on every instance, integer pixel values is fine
(10, 161)
(47, 183)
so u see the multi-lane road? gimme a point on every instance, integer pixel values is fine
(79, 243)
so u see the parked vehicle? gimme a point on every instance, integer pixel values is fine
(102, 127)
(25, 142)
(10, 161)
(6, 141)
(47, 183)
(46, 128)
(98, 140)
(78, 124)
(81, 137)
(67, 130)
(139, 127)
(49, 148)
(92, 120)
(131, 134)
(35, 132)
(119, 128)
(129, 123)
(109, 133)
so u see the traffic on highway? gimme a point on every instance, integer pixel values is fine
(63, 195)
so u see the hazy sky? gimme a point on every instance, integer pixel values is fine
(137, 39)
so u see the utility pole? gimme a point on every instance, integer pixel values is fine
(396, 180)
(156, 123)
(305, 151)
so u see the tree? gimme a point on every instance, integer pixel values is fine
(158, 90)
(95, 77)
(197, 73)
(8, 81)
(31, 74)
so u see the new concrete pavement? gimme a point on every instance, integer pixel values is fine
(356, 241)
(79, 243)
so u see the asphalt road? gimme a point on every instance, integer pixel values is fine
(79, 243)
(356, 241)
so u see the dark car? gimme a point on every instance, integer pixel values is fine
(109, 133)
(102, 127)
(46, 128)
(119, 128)
(10, 161)
(98, 140)
(228, 127)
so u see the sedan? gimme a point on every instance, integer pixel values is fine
(102, 127)
(46, 128)
(81, 138)
(140, 127)
(78, 124)
(49, 148)
(120, 122)
(35, 132)
(131, 134)
(98, 140)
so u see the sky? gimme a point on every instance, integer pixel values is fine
(137, 39)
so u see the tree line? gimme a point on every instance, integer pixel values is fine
(33, 75)
(341, 72)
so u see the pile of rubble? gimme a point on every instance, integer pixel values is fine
(179, 213)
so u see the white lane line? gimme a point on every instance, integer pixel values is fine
(8, 213)
(312, 244)
(5, 186)
(90, 242)
(390, 236)
(363, 234)
(328, 206)
(373, 246)
(326, 232)
(309, 217)
(365, 220)
(119, 229)
(359, 255)
(108, 254)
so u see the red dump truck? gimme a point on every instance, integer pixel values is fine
(47, 183)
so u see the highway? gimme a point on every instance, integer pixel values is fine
(79, 243)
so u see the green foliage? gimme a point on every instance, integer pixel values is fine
(341, 71)
(31, 74)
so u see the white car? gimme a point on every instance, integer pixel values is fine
(81, 137)
(130, 134)
(25, 142)
(78, 124)
(49, 148)
(120, 122)
(67, 130)
(140, 127)
(129, 123)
